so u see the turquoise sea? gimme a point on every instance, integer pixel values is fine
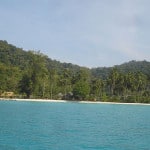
(73, 126)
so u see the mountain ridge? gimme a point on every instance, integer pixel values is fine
(16, 56)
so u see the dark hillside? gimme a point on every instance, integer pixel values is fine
(132, 66)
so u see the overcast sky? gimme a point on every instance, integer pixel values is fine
(92, 33)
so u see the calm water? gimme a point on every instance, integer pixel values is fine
(73, 126)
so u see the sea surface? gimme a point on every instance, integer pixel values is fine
(73, 126)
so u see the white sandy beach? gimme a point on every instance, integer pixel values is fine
(64, 101)
(115, 103)
(34, 100)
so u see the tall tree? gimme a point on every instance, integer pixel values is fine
(36, 75)
(97, 88)
(112, 80)
(81, 88)
(53, 77)
(26, 85)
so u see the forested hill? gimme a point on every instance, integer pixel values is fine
(11, 55)
(135, 66)
(32, 74)
(132, 66)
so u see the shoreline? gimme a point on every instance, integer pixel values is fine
(32, 100)
(65, 101)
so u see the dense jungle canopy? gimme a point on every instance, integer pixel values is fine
(31, 74)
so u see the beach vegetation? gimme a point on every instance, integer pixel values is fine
(31, 74)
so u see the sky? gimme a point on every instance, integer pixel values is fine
(91, 33)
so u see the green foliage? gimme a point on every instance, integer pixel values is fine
(98, 89)
(9, 78)
(81, 88)
(34, 75)
(132, 66)
(26, 85)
